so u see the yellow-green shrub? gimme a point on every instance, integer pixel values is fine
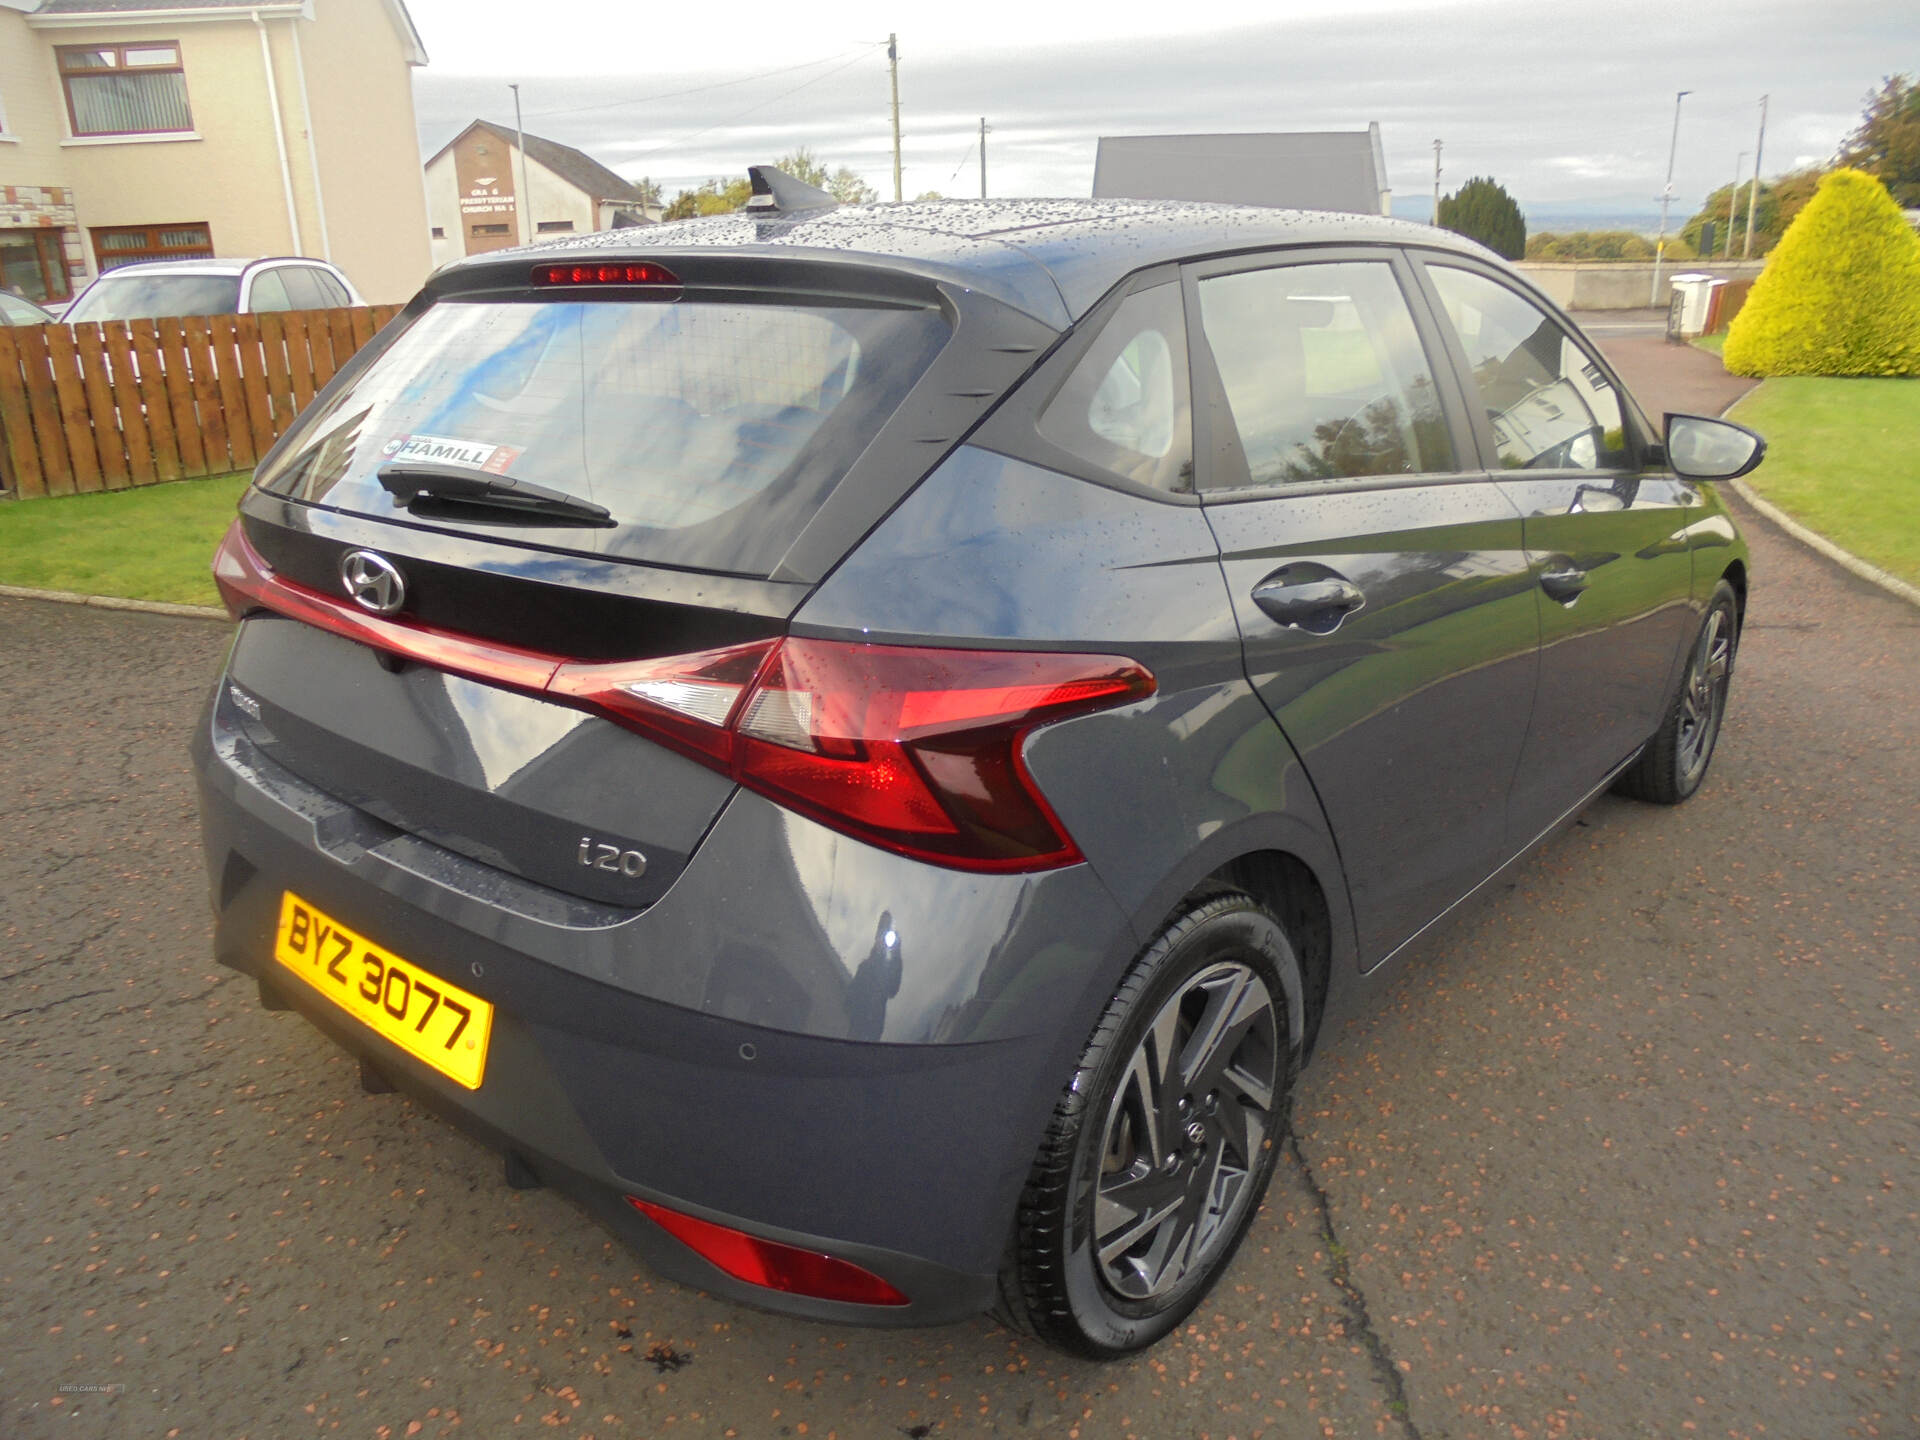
(1841, 295)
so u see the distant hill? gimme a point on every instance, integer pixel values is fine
(1601, 212)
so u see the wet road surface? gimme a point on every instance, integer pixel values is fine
(1631, 1148)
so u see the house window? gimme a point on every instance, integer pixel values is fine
(117, 245)
(125, 89)
(489, 229)
(554, 227)
(33, 263)
(439, 232)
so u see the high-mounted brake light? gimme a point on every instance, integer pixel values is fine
(617, 272)
(770, 1263)
(919, 750)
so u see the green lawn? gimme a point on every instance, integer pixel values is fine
(153, 543)
(1715, 342)
(1840, 459)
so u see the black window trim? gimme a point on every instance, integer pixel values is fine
(1216, 442)
(1647, 447)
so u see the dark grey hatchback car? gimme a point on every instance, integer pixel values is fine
(865, 745)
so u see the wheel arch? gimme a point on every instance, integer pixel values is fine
(1736, 575)
(1286, 885)
(1290, 867)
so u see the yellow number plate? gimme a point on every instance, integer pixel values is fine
(438, 1024)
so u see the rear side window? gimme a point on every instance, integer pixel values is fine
(1324, 373)
(1549, 405)
(711, 431)
(1125, 405)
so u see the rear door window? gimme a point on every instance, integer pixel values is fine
(303, 287)
(710, 431)
(1324, 373)
(268, 292)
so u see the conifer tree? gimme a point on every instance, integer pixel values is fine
(1841, 295)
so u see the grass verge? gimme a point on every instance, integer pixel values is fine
(153, 543)
(1714, 343)
(1840, 460)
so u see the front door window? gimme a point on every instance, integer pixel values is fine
(1549, 405)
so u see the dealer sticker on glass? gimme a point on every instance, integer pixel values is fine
(441, 450)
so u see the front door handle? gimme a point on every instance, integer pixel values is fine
(1564, 583)
(1317, 605)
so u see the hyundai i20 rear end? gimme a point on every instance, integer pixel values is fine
(768, 730)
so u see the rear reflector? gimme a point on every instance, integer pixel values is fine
(916, 749)
(768, 1263)
(618, 272)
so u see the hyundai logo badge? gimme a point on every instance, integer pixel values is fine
(372, 581)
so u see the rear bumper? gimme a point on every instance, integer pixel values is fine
(905, 1158)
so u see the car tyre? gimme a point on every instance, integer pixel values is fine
(1165, 1138)
(1675, 761)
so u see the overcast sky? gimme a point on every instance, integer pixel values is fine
(1559, 101)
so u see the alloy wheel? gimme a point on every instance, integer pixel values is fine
(1185, 1131)
(1704, 700)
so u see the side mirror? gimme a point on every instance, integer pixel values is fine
(1703, 449)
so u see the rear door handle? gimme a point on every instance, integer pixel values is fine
(1316, 606)
(1563, 583)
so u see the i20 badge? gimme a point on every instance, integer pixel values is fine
(598, 855)
(372, 582)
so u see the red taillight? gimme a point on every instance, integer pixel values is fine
(916, 749)
(247, 583)
(920, 749)
(771, 1264)
(686, 700)
(616, 272)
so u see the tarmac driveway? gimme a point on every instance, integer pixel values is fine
(1629, 1150)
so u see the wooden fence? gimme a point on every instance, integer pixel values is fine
(114, 405)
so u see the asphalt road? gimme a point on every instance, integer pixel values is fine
(1630, 1149)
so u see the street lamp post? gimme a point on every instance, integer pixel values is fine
(1733, 198)
(1666, 199)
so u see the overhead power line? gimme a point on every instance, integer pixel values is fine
(865, 50)
(699, 89)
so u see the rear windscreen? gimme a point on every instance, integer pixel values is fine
(156, 297)
(710, 431)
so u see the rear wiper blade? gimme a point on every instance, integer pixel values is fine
(411, 481)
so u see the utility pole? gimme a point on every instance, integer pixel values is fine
(1733, 199)
(1436, 182)
(1754, 193)
(1666, 198)
(983, 157)
(893, 68)
(522, 201)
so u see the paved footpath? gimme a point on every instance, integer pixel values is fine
(1629, 1150)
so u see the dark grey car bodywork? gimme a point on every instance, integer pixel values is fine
(730, 1033)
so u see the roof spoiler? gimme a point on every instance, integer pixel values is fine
(779, 192)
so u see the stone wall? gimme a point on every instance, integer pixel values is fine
(1622, 284)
